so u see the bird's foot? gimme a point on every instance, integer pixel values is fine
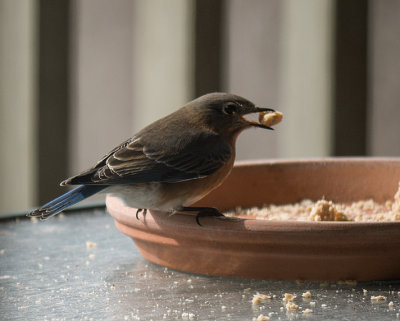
(42, 213)
(139, 210)
(203, 212)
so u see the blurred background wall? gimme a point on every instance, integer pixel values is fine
(77, 77)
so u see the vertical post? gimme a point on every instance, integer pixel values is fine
(384, 83)
(17, 105)
(162, 58)
(251, 66)
(350, 78)
(101, 85)
(306, 77)
(53, 96)
(208, 43)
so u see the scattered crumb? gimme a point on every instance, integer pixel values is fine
(365, 291)
(23, 307)
(261, 318)
(288, 297)
(323, 305)
(223, 307)
(378, 298)
(307, 311)
(290, 306)
(312, 303)
(257, 298)
(306, 295)
(391, 304)
(90, 244)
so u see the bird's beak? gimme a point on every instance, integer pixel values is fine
(255, 123)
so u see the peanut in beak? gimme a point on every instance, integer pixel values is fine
(270, 119)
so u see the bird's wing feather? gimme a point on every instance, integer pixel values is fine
(140, 160)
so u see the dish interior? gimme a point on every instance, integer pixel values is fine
(341, 181)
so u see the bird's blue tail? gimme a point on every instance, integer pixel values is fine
(60, 203)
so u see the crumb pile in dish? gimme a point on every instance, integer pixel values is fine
(325, 210)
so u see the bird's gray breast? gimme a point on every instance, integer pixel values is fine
(144, 195)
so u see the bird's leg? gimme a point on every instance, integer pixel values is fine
(202, 212)
(139, 210)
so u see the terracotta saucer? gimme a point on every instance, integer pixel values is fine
(285, 250)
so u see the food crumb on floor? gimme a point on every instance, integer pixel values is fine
(90, 244)
(259, 297)
(290, 306)
(288, 297)
(378, 298)
(261, 317)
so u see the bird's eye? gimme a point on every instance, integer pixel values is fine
(230, 108)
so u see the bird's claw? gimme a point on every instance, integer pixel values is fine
(139, 210)
(209, 212)
(203, 212)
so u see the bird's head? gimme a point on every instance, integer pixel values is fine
(226, 113)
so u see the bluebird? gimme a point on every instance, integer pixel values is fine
(171, 163)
